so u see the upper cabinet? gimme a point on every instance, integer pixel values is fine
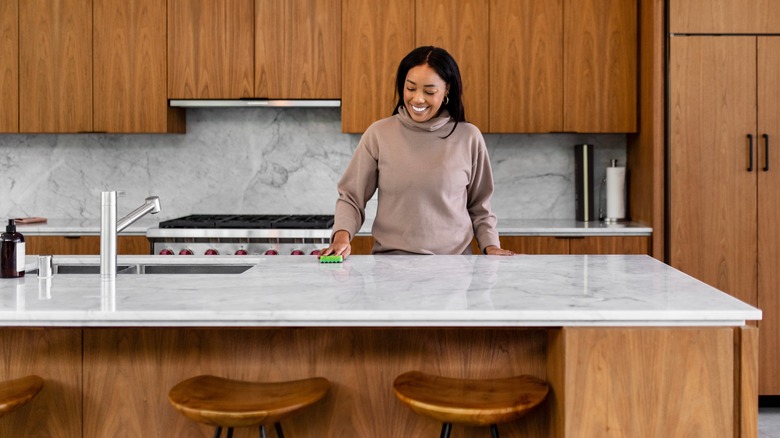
(724, 16)
(298, 49)
(210, 49)
(130, 68)
(9, 66)
(55, 71)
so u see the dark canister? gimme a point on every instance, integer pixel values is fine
(11, 252)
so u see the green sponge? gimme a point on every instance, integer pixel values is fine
(331, 259)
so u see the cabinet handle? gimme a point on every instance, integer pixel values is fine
(766, 152)
(750, 152)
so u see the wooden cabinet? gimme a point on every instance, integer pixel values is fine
(565, 65)
(724, 16)
(84, 245)
(577, 244)
(9, 66)
(725, 187)
(210, 49)
(130, 68)
(55, 60)
(298, 49)
(375, 37)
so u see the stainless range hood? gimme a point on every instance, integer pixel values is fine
(245, 103)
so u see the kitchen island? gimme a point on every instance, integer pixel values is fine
(630, 346)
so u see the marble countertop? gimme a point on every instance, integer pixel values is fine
(506, 227)
(379, 291)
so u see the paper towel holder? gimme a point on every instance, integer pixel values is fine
(612, 199)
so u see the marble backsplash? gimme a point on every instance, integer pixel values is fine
(259, 160)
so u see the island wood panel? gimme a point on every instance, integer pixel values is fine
(600, 66)
(462, 28)
(535, 244)
(128, 373)
(210, 49)
(9, 66)
(746, 387)
(645, 152)
(362, 245)
(769, 211)
(610, 245)
(84, 245)
(526, 66)
(55, 66)
(632, 382)
(55, 356)
(712, 232)
(375, 37)
(131, 77)
(724, 16)
(298, 49)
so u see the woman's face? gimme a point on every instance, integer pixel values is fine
(424, 91)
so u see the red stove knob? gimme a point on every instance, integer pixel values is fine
(297, 252)
(166, 251)
(212, 251)
(315, 252)
(272, 252)
(241, 252)
(186, 251)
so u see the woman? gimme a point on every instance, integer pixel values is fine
(430, 166)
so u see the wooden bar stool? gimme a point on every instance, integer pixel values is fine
(15, 393)
(471, 402)
(234, 403)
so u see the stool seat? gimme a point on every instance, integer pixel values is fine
(15, 393)
(234, 403)
(471, 402)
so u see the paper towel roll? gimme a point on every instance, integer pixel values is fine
(616, 193)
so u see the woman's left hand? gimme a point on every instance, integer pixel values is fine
(494, 250)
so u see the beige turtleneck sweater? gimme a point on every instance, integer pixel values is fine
(434, 192)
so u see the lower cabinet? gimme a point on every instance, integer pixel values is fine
(549, 244)
(84, 245)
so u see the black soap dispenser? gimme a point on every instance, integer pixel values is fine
(11, 252)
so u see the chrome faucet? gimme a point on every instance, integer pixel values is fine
(109, 227)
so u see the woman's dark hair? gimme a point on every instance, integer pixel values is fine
(445, 66)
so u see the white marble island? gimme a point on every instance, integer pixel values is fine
(628, 344)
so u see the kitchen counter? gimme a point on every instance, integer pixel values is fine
(380, 291)
(82, 227)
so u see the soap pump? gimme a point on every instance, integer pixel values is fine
(11, 252)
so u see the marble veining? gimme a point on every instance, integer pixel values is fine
(383, 291)
(259, 160)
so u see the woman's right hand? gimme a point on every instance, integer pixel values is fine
(339, 245)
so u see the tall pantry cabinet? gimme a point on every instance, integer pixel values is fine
(724, 175)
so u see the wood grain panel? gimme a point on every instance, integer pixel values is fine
(55, 59)
(632, 382)
(130, 67)
(712, 195)
(461, 28)
(724, 16)
(84, 245)
(54, 355)
(298, 49)
(526, 66)
(535, 244)
(769, 211)
(746, 381)
(210, 49)
(9, 66)
(610, 245)
(600, 65)
(362, 245)
(375, 37)
(128, 373)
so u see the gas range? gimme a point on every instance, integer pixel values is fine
(226, 234)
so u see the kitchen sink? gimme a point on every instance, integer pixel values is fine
(135, 265)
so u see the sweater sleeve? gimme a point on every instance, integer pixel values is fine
(356, 187)
(480, 191)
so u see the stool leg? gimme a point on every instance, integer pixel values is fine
(262, 431)
(230, 432)
(494, 431)
(278, 427)
(446, 428)
(218, 432)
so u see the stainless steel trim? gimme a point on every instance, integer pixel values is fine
(206, 103)
(239, 233)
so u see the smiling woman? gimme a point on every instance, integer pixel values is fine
(429, 166)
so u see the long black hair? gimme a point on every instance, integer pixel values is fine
(445, 66)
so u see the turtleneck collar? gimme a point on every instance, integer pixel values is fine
(431, 125)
